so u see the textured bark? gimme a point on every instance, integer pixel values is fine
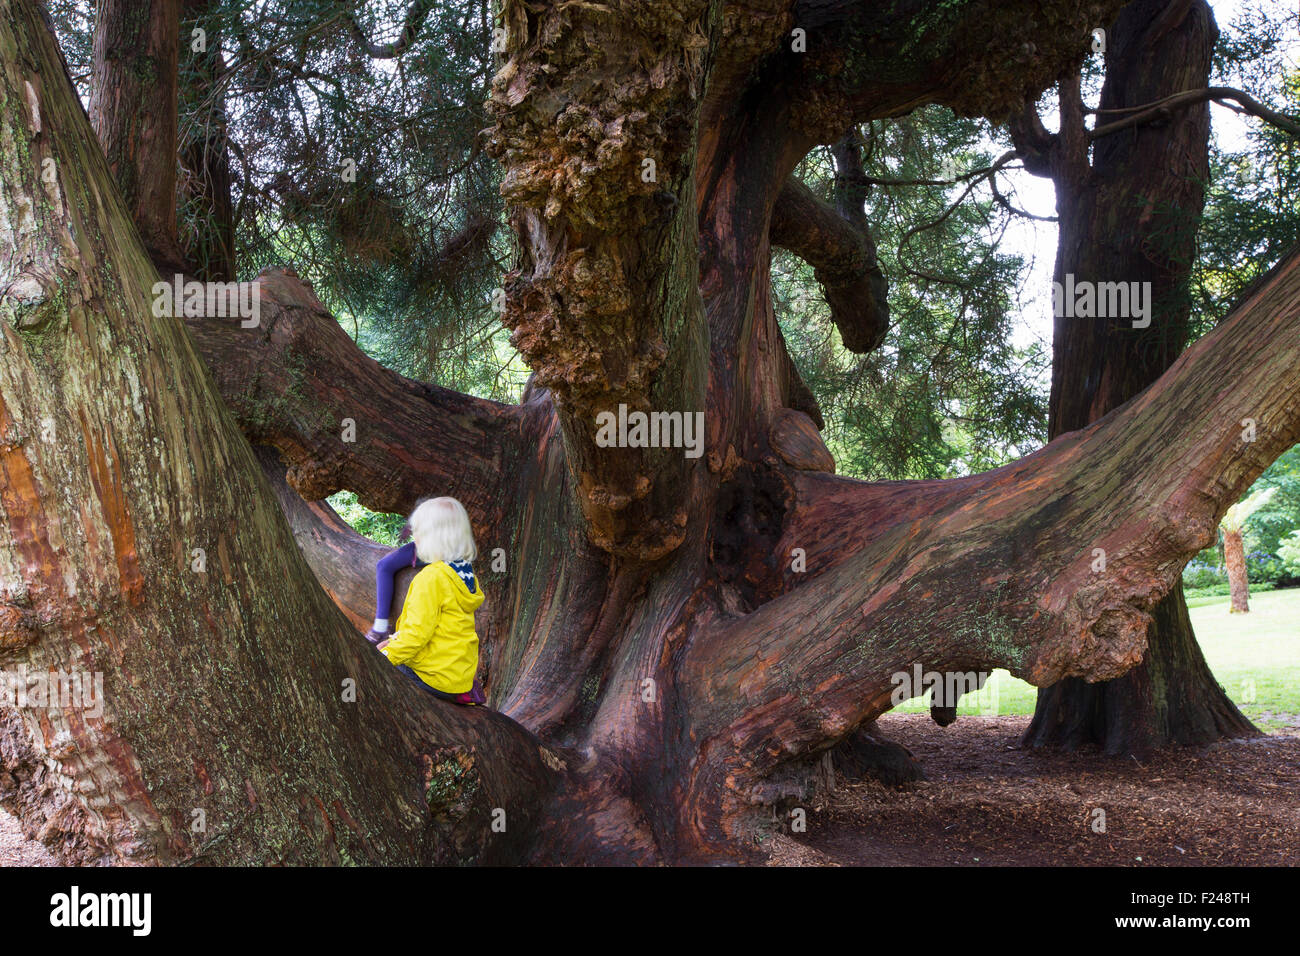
(297, 382)
(1162, 701)
(1129, 212)
(223, 683)
(133, 109)
(1234, 559)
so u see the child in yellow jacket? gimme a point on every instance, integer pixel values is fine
(435, 642)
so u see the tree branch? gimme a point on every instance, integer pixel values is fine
(296, 380)
(1005, 203)
(864, 63)
(973, 181)
(1218, 94)
(1032, 140)
(415, 18)
(839, 247)
(1043, 151)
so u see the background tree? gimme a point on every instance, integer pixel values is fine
(1129, 201)
(1234, 554)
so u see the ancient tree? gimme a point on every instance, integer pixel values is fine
(672, 644)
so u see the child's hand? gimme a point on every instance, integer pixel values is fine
(382, 644)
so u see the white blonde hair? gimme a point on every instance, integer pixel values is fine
(441, 531)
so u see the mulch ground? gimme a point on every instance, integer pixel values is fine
(987, 802)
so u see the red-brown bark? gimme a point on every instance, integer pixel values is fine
(142, 545)
(133, 109)
(842, 253)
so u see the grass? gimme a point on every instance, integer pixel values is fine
(1255, 656)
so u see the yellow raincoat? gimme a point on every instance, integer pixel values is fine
(435, 634)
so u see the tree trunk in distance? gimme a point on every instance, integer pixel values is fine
(1234, 559)
(1126, 216)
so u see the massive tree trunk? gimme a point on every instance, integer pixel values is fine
(242, 719)
(647, 619)
(1129, 213)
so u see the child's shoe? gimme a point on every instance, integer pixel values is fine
(474, 695)
(376, 637)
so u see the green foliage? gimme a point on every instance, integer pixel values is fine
(74, 23)
(948, 393)
(1289, 553)
(367, 174)
(376, 525)
(1198, 576)
(1280, 516)
(1223, 590)
(1252, 216)
(364, 174)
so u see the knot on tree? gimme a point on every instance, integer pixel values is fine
(580, 331)
(794, 436)
(1096, 645)
(31, 301)
(599, 163)
(18, 625)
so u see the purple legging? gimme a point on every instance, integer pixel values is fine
(385, 571)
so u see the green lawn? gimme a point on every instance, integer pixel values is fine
(1255, 656)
